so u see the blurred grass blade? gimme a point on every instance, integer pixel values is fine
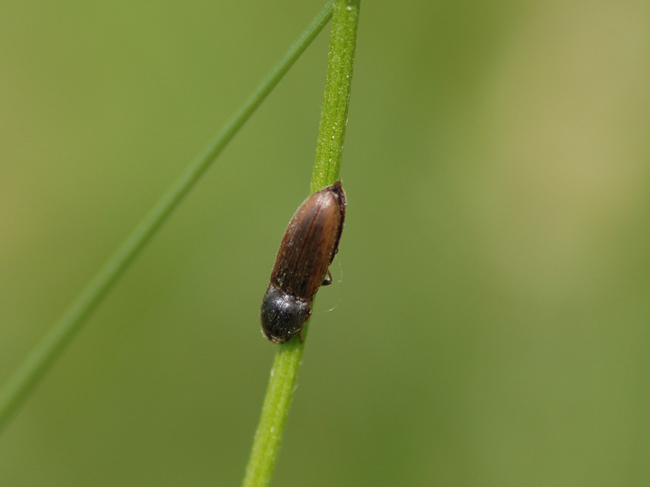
(45, 353)
(331, 134)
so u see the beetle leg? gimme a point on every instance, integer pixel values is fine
(328, 280)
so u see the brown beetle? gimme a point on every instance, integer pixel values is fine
(308, 247)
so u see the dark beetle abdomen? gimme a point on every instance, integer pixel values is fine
(283, 315)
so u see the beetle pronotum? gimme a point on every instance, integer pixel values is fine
(308, 247)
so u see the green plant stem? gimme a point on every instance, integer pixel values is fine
(45, 353)
(287, 362)
(334, 117)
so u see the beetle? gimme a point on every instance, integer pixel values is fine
(301, 266)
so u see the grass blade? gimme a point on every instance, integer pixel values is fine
(287, 362)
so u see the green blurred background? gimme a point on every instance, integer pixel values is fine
(490, 326)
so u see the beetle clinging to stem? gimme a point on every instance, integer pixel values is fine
(301, 266)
